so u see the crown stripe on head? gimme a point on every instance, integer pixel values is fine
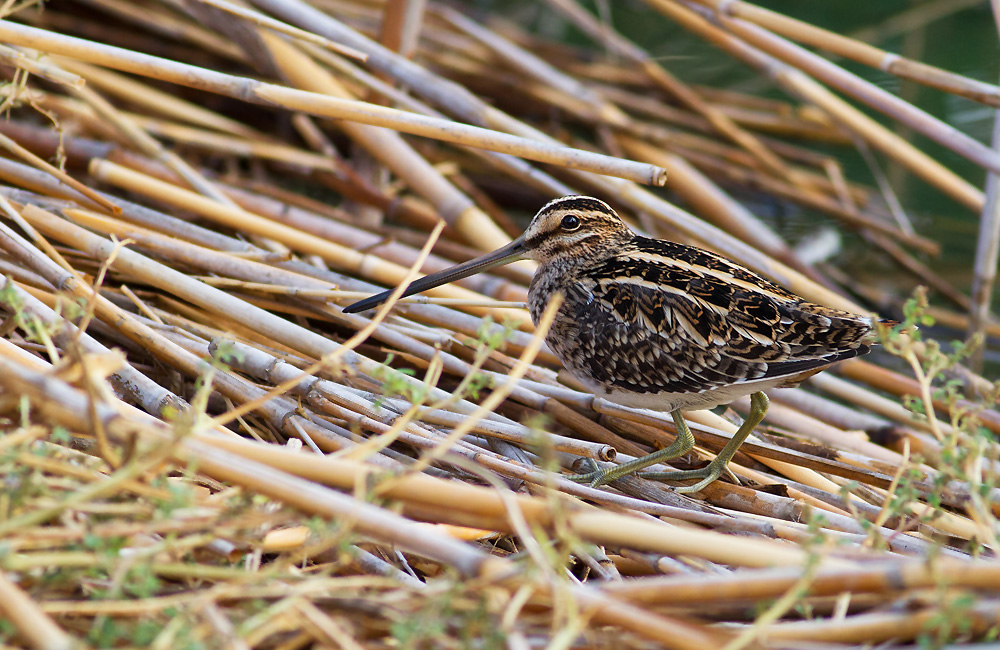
(575, 202)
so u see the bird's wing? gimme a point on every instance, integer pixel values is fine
(663, 323)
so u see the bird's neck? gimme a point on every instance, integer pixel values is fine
(563, 274)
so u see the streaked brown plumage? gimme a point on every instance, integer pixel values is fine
(659, 325)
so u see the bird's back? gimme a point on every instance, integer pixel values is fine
(664, 325)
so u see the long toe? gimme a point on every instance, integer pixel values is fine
(593, 479)
(709, 473)
(598, 479)
(712, 475)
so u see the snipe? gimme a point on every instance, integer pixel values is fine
(657, 325)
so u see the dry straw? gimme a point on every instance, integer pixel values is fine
(199, 447)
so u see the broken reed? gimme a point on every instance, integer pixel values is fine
(236, 470)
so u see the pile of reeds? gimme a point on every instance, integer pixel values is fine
(200, 449)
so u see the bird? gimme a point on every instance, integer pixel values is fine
(664, 326)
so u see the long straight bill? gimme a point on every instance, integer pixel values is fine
(505, 255)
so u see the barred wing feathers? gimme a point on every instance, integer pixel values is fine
(664, 317)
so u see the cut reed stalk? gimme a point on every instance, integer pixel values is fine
(987, 255)
(805, 86)
(859, 51)
(417, 465)
(326, 106)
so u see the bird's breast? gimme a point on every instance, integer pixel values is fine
(551, 278)
(586, 340)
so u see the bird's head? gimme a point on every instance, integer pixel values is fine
(579, 226)
(572, 228)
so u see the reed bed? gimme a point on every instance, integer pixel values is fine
(200, 449)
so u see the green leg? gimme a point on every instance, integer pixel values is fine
(712, 471)
(682, 445)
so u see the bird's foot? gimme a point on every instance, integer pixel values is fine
(720, 464)
(709, 474)
(595, 477)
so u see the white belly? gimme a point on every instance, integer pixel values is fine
(687, 401)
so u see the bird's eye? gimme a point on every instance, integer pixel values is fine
(570, 222)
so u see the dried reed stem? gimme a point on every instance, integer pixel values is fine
(180, 384)
(325, 106)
